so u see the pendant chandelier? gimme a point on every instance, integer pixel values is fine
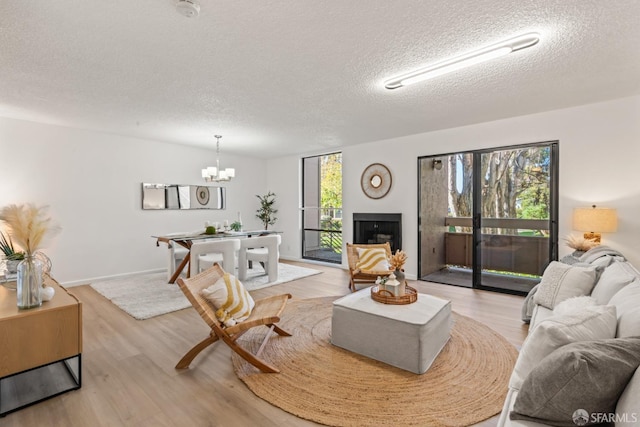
(214, 173)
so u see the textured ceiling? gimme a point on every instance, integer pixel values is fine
(278, 77)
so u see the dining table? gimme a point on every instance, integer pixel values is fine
(186, 240)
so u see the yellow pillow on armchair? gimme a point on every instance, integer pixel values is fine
(372, 260)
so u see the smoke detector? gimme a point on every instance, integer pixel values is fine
(188, 8)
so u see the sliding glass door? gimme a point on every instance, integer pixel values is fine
(488, 219)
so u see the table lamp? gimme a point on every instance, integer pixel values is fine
(593, 221)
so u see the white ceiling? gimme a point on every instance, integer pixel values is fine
(278, 77)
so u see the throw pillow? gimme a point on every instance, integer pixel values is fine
(626, 303)
(627, 298)
(574, 304)
(593, 323)
(230, 298)
(372, 260)
(613, 279)
(629, 324)
(589, 376)
(561, 281)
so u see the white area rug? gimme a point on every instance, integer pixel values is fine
(149, 295)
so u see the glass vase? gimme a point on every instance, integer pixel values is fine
(29, 282)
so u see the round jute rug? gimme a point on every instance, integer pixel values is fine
(466, 384)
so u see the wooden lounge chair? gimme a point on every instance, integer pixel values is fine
(266, 312)
(357, 276)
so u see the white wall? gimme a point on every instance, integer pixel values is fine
(599, 152)
(92, 182)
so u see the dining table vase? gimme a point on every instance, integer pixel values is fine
(29, 283)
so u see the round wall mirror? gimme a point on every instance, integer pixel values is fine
(376, 180)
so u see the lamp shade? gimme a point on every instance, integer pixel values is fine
(597, 220)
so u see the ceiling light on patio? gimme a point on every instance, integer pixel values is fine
(465, 60)
(214, 173)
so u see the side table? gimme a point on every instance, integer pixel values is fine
(41, 348)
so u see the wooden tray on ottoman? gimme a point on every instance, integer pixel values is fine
(386, 297)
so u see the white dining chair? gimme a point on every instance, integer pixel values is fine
(205, 253)
(263, 249)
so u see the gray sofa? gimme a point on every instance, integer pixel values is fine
(579, 362)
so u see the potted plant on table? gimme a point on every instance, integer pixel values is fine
(11, 256)
(29, 226)
(267, 212)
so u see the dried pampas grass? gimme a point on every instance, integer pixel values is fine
(397, 260)
(580, 243)
(29, 225)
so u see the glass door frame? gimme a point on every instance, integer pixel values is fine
(477, 206)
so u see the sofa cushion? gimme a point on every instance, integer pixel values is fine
(615, 277)
(561, 281)
(627, 301)
(589, 375)
(629, 401)
(540, 313)
(595, 322)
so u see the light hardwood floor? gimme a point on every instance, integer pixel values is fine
(128, 375)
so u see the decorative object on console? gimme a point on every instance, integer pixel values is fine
(30, 226)
(376, 181)
(594, 220)
(267, 213)
(214, 173)
(390, 285)
(11, 259)
(580, 244)
(385, 296)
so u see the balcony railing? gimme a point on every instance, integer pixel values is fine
(322, 234)
(508, 245)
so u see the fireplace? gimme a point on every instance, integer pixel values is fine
(378, 228)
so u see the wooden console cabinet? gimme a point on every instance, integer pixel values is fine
(40, 348)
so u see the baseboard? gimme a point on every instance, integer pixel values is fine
(114, 276)
(330, 264)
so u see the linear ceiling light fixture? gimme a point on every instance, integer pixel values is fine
(465, 60)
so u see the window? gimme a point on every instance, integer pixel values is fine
(322, 208)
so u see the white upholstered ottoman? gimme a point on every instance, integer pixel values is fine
(407, 336)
